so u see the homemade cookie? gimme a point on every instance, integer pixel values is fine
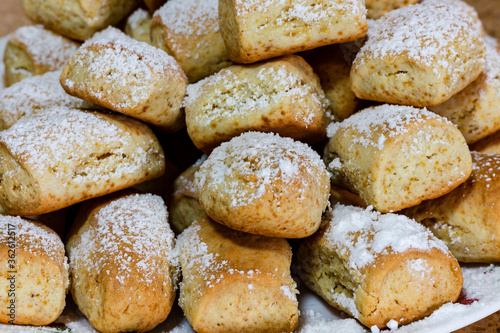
(467, 218)
(282, 95)
(33, 95)
(78, 19)
(189, 31)
(34, 273)
(395, 157)
(28, 53)
(57, 158)
(236, 282)
(264, 184)
(378, 267)
(475, 109)
(138, 25)
(124, 273)
(419, 55)
(264, 29)
(130, 77)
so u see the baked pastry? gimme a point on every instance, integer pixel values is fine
(467, 218)
(57, 158)
(78, 19)
(418, 55)
(282, 95)
(236, 282)
(130, 77)
(333, 70)
(27, 54)
(138, 25)
(395, 156)
(463, 7)
(377, 8)
(378, 267)
(123, 270)
(34, 273)
(189, 31)
(36, 94)
(475, 109)
(264, 184)
(184, 205)
(264, 29)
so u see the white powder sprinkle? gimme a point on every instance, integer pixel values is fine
(36, 94)
(235, 95)
(45, 47)
(191, 19)
(262, 159)
(367, 234)
(130, 236)
(388, 120)
(138, 16)
(35, 240)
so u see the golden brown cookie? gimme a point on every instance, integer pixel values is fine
(236, 282)
(57, 158)
(378, 267)
(34, 272)
(395, 157)
(419, 55)
(264, 29)
(124, 273)
(264, 184)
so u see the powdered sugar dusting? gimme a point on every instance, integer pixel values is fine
(365, 234)
(130, 236)
(37, 39)
(234, 94)
(35, 94)
(188, 19)
(492, 65)
(261, 159)
(62, 139)
(485, 168)
(390, 120)
(121, 61)
(421, 32)
(299, 10)
(34, 239)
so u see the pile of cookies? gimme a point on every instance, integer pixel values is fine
(149, 147)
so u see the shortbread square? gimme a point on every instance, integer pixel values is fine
(263, 29)
(419, 55)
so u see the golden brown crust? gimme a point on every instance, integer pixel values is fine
(34, 273)
(129, 77)
(282, 96)
(261, 30)
(395, 157)
(113, 152)
(236, 282)
(378, 268)
(123, 276)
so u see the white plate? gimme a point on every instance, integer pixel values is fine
(481, 289)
